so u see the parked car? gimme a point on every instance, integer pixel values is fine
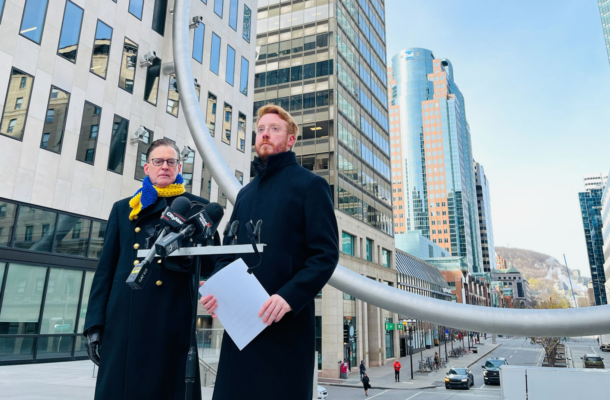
(592, 361)
(492, 370)
(322, 393)
(459, 378)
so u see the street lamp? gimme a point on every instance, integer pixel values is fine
(411, 346)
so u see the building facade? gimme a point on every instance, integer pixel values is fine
(435, 147)
(84, 94)
(605, 215)
(513, 279)
(414, 243)
(485, 224)
(590, 209)
(324, 61)
(604, 10)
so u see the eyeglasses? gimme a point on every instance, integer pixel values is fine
(273, 129)
(158, 162)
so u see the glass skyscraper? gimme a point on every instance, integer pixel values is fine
(604, 10)
(433, 143)
(590, 208)
(485, 224)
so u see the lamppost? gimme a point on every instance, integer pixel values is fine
(411, 346)
(445, 335)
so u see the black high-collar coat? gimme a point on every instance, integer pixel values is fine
(300, 231)
(146, 332)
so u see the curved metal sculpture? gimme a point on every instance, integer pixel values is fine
(566, 322)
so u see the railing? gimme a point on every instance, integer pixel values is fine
(209, 342)
(567, 322)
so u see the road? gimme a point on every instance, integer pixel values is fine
(518, 351)
(580, 346)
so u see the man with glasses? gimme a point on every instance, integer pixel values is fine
(140, 338)
(300, 231)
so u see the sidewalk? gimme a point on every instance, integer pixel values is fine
(383, 377)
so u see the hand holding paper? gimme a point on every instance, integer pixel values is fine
(236, 297)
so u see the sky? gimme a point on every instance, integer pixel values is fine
(536, 81)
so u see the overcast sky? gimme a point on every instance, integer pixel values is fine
(536, 81)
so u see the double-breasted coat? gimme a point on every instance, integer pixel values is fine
(146, 332)
(300, 230)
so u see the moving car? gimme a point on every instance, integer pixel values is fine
(592, 361)
(492, 370)
(459, 378)
(322, 393)
(604, 342)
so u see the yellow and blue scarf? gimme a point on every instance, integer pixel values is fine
(149, 193)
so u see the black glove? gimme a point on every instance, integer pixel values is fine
(94, 341)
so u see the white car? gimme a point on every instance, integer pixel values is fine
(322, 393)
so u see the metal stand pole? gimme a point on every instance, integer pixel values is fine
(192, 358)
(446, 357)
(411, 348)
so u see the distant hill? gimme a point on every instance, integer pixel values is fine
(539, 266)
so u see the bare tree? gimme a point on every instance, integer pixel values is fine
(550, 344)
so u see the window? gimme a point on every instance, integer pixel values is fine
(218, 5)
(143, 146)
(72, 235)
(173, 98)
(243, 80)
(15, 112)
(215, 55)
(296, 73)
(135, 8)
(347, 244)
(211, 113)
(32, 23)
(233, 14)
(128, 65)
(101, 49)
(226, 125)
(222, 199)
(240, 177)
(158, 17)
(241, 132)
(118, 142)
(188, 167)
(97, 239)
(198, 35)
(369, 250)
(206, 183)
(385, 258)
(87, 141)
(30, 232)
(230, 72)
(247, 23)
(151, 85)
(57, 112)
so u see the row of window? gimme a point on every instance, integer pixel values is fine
(36, 229)
(293, 46)
(293, 74)
(348, 247)
(351, 202)
(298, 102)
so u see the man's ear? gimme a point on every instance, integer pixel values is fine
(291, 140)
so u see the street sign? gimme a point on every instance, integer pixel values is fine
(389, 326)
(400, 327)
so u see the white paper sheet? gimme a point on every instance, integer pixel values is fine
(240, 297)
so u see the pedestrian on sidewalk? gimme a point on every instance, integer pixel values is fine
(362, 369)
(366, 382)
(437, 360)
(397, 367)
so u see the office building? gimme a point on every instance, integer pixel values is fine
(513, 279)
(485, 225)
(595, 181)
(78, 81)
(414, 243)
(325, 62)
(604, 10)
(590, 208)
(605, 215)
(432, 140)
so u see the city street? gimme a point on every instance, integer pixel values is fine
(518, 351)
(578, 347)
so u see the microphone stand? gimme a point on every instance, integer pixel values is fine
(192, 359)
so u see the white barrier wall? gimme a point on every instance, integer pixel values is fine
(537, 383)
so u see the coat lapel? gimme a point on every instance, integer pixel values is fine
(159, 205)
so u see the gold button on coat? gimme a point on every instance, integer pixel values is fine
(138, 229)
(160, 261)
(159, 283)
(136, 262)
(136, 246)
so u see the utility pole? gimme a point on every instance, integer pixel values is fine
(411, 348)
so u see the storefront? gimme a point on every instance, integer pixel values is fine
(47, 264)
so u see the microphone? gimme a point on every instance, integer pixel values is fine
(200, 226)
(171, 218)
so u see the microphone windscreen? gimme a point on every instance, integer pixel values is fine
(215, 211)
(181, 205)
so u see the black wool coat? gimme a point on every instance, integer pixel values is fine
(300, 231)
(146, 332)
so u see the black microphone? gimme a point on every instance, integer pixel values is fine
(171, 218)
(200, 226)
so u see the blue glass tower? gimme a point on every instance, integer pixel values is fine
(590, 208)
